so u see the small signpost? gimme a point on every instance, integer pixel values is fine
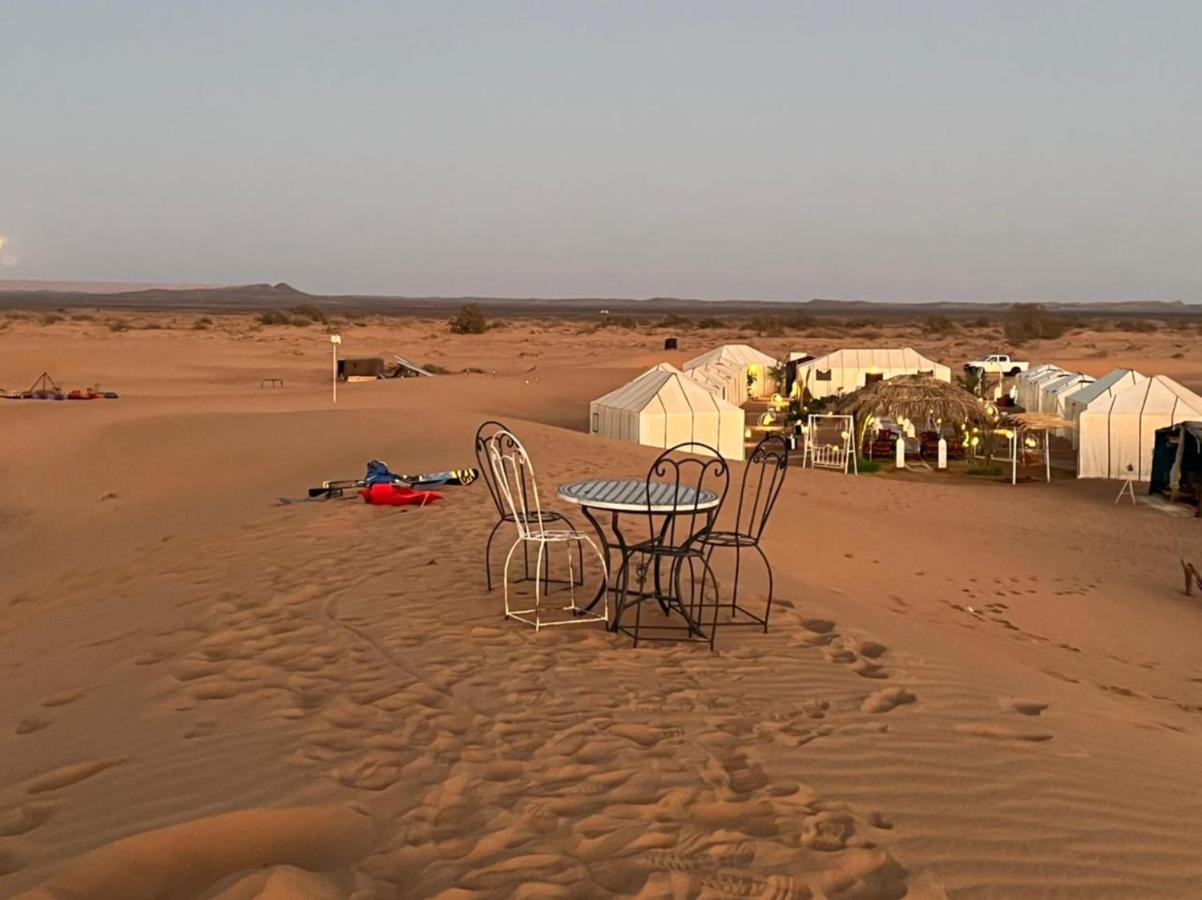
(335, 340)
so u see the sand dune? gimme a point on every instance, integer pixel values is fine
(214, 688)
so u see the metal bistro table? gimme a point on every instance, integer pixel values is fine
(629, 496)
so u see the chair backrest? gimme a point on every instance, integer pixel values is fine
(687, 471)
(763, 477)
(514, 474)
(484, 436)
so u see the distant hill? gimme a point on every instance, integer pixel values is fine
(259, 297)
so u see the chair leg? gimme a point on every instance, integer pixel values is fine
(768, 566)
(505, 574)
(706, 570)
(571, 578)
(734, 587)
(538, 600)
(488, 553)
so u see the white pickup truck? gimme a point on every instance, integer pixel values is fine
(996, 364)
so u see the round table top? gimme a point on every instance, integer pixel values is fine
(630, 495)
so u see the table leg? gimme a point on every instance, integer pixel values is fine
(605, 548)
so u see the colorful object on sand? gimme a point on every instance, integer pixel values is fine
(397, 495)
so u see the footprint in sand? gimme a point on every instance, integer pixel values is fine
(887, 699)
(998, 732)
(1021, 706)
(24, 819)
(69, 775)
(29, 726)
(62, 699)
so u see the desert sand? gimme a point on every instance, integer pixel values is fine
(214, 688)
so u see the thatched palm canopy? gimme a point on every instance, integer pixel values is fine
(1033, 421)
(917, 398)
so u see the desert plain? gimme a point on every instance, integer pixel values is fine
(215, 688)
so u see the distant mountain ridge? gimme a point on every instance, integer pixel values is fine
(258, 297)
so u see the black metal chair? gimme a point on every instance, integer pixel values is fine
(685, 487)
(763, 478)
(484, 436)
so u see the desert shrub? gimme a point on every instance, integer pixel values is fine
(51, 318)
(1140, 326)
(795, 320)
(309, 311)
(202, 324)
(1032, 321)
(981, 322)
(767, 326)
(612, 321)
(469, 320)
(870, 334)
(118, 325)
(300, 321)
(82, 317)
(862, 324)
(150, 326)
(273, 317)
(675, 321)
(710, 322)
(938, 325)
(436, 369)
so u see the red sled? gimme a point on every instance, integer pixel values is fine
(397, 495)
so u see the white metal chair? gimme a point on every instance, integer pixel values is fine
(514, 475)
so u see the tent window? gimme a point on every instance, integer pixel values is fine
(596, 422)
(870, 377)
(926, 371)
(822, 376)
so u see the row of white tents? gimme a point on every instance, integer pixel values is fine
(1114, 418)
(666, 406)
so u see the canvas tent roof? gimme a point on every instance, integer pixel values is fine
(740, 355)
(666, 387)
(875, 358)
(1053, 387)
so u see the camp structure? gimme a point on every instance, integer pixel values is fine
(721, 381)
(1054, 391)
(1027, 384)
(1177, 462)
(742, 364)
(402, 368)
(1116, 432)
(664, 407)
(845, 371)
(367, 368)
(1108, 385)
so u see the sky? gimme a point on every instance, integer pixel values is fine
(860, 150)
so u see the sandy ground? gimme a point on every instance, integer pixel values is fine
(210, 691)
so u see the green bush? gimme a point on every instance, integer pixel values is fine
(309, 311)
(866, 465)
(938, 325)
(469, 320)
(1031, 321)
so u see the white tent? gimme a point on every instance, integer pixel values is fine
(725, 381)
(1060, 396)
(664, 407)
(1051, 389)
(1116, 432)
(743, 362)
(1108, 385)
(844, 371)
(1026, 385)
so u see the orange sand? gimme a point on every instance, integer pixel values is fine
(968, 690)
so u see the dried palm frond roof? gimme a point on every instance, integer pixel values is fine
(1035, 421)
(917, 398)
